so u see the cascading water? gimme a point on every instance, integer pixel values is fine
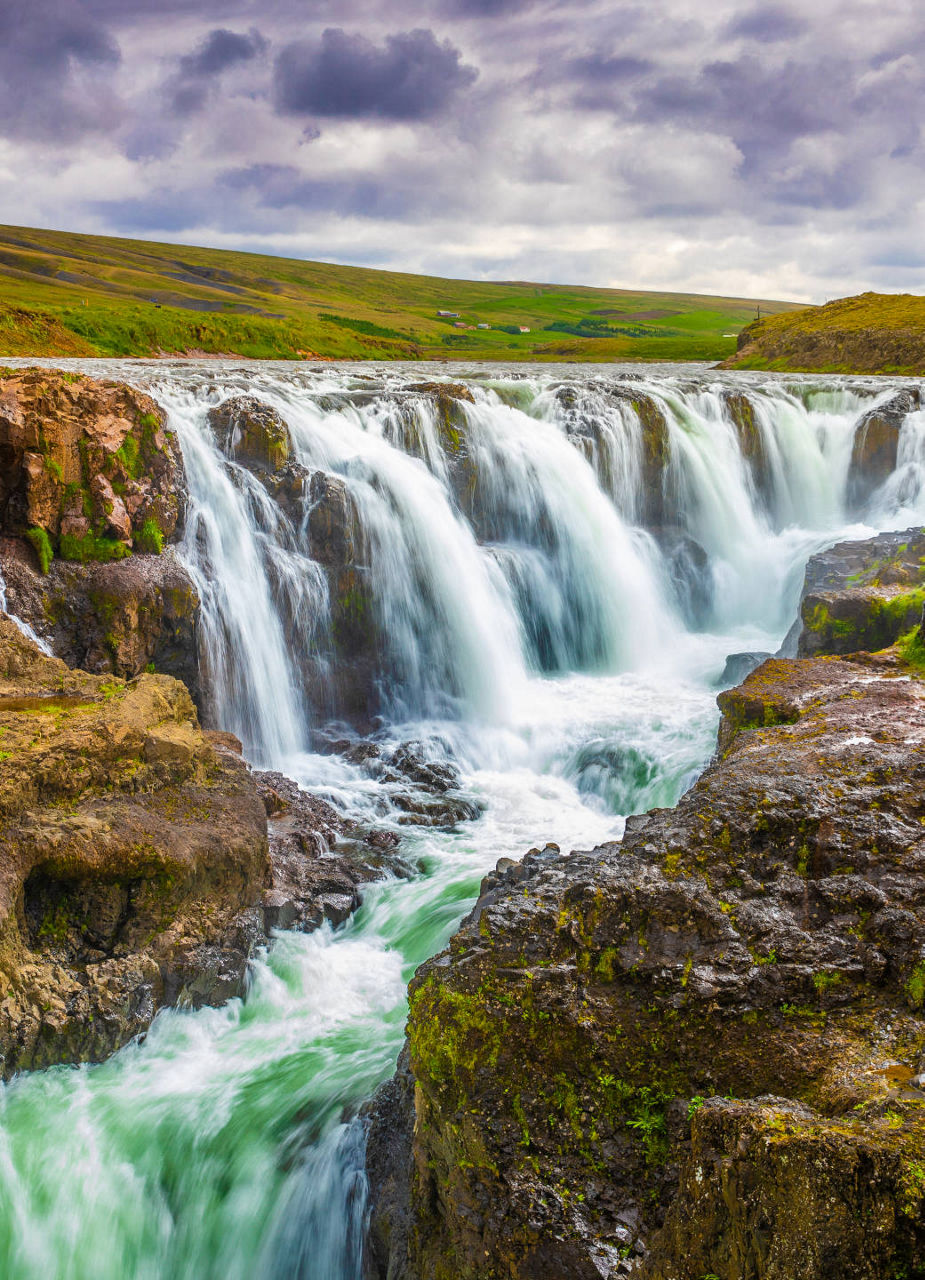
(557, 569)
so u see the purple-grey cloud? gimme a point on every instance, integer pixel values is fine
(410, 76)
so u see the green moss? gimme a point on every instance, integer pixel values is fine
(91, 547)
(41, 545)
(915, 987)
(127, 455)
(150, 539)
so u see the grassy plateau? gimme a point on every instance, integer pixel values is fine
(63, 293)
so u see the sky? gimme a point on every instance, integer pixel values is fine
(755, 149)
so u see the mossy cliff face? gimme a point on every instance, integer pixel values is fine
(91, 489)
(124, 617)
(87, 464)
(863, 595)
(134, 858)
(761, 943)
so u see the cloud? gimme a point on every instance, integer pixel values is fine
(219, 50)
(189, 88)
(768, 25)
(411, 76)
(56, 64)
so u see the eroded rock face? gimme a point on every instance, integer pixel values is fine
(134, 858)
(764, 941)
(123, 617)
(863, 595)
(88, 462)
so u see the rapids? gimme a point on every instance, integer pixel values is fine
(564, 656)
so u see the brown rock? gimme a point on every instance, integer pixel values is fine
(251, 432)
(135, 858)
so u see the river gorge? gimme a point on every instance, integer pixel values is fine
(520, 591)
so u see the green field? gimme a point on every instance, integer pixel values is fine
(68, 294)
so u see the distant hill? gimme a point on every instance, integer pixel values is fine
(68, 294)
(871, 333)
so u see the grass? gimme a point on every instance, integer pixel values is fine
(870, 333)
(62, 293)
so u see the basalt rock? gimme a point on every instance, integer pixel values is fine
(319, 859)
(123, 617)
(741, 413)
(876, 445)
(135, 858)
(763, 941)
(251, 432)
(88, 466)
(862, 595)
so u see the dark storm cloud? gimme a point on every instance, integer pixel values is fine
(410, 76)
(768, 25)
(55, 65)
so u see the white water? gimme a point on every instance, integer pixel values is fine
(531, 632)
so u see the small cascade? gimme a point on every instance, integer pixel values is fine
(24, 627)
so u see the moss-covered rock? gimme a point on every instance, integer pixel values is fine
(763, 939)
(125, 617)
(134, 858)
(251, 432)
(87, 462)
(863, 595)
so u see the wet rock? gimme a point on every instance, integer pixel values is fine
(691, 574)
(740, 665)
(251, 432)
(319, 859)
(762, 940)
(135, 857)
(876, 445)
(862, 595)
(741, 413)
(123, 617)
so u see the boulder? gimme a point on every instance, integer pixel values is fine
(862, 595)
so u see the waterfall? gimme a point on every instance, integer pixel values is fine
(543, 573)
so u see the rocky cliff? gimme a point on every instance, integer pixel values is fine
(701, 1051)
(91, 492)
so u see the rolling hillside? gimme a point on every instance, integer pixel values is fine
(68, 294)
(870, 333)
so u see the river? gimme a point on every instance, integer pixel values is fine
(562, 657)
